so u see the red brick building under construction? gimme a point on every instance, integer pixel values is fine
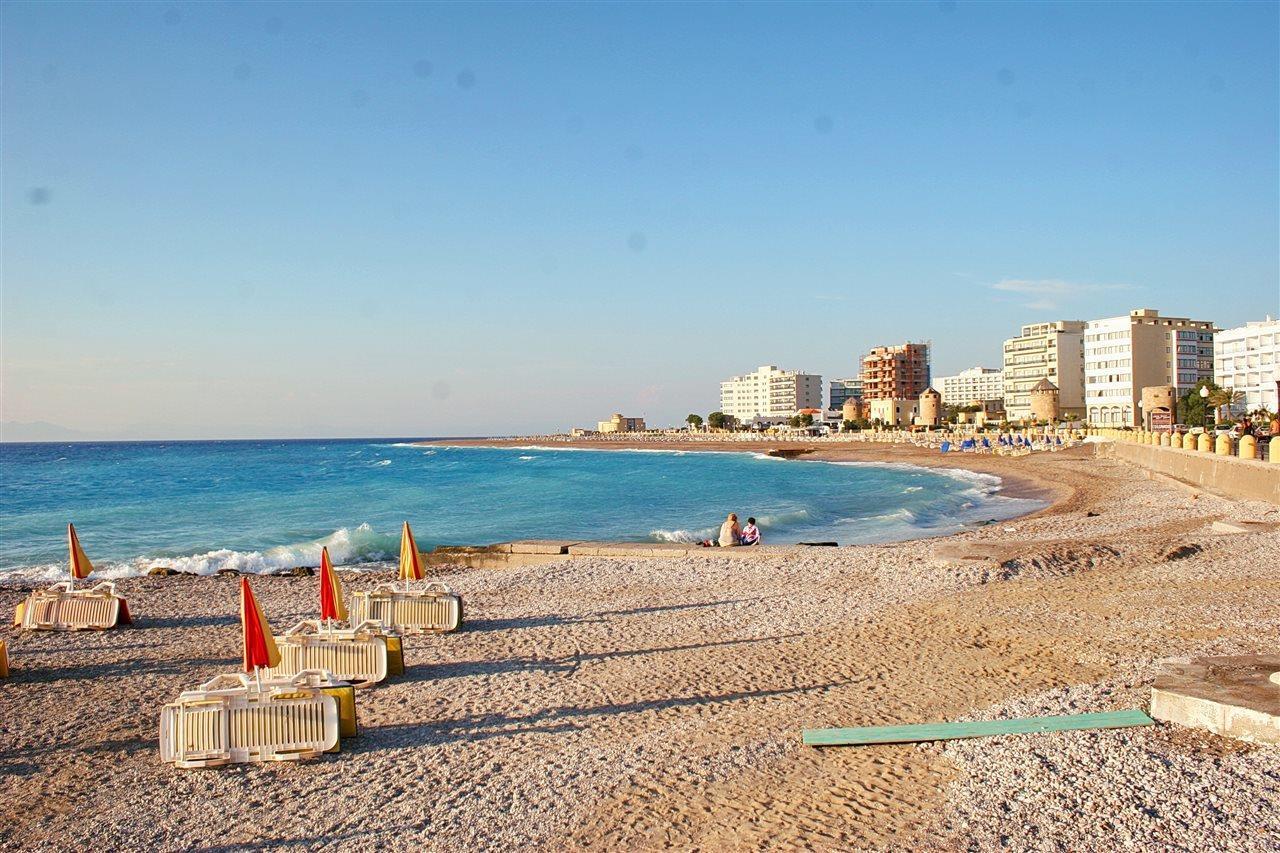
(895, 373)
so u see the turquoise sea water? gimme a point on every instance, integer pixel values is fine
(262, 505)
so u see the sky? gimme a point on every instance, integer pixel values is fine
(291, 220)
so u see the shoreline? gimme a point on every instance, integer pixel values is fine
(1015, 483)
(1025, 477)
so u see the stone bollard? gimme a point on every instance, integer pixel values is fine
(1204, 444)
(1175, 440)
(1248, 447)
(1164, 439)
(1223, 446)
(1155, 438)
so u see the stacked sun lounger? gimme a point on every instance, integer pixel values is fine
(362, 655)
(61, 608)
(434, 609)
(236, 718)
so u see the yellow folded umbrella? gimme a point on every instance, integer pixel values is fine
(79, 563)
(410, 559)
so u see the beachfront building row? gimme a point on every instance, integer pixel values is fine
(1123, 355)
(1052, 351)
(770, 394)
(975, 385)
(896, 373)
(1247, 359)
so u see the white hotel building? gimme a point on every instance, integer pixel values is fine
(770, 394)
(972, 385)
(1123, 355)
(1053, 351)
(1247, 359)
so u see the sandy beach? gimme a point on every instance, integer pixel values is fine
(658, 703)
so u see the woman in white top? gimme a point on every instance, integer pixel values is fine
(730, 532)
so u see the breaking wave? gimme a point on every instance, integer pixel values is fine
(346, 546)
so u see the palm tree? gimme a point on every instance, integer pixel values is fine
(1220, 397)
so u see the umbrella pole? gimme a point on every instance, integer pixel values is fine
(257, 674)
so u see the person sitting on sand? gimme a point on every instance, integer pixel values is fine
(730, 532)
(751, 533)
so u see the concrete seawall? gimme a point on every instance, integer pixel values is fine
(1227, 476)
(535, 552)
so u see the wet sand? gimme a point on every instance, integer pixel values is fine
(642, 704)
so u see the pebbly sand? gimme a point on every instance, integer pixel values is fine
(640, 704)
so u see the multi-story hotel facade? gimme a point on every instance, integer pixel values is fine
(895, 373)
(844, 389)
(1247, 359)
(971, 386)
(770, 393)
(1123, 355)
(1053, 351)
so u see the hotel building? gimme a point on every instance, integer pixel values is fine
(1123, 355)
(770, 393)
(895, 373)
(972, 385)
(1247, 359)
(1053, 351)
(844, 389)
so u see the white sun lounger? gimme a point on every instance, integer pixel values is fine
(434, 609)
(60, 608)
(229, 720)
(357, 655)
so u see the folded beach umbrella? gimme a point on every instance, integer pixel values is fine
(410, 559)
(259, 645)
(79, 563)
(332, 607)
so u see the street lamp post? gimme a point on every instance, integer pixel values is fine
(1209, 417)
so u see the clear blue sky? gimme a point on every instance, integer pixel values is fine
(404, 219)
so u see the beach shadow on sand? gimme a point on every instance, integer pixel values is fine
(568, 663)
(311, 842)
(185, 621)
(130, 668)
(565, 718)
(552, 619)
(34, 759)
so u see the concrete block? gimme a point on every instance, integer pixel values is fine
(609, 549)
(673, 549)
(1233, 696)
(542, 546)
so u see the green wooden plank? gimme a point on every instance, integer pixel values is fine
(982, 728)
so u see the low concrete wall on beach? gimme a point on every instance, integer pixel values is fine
(1231, 477)
(534, 552)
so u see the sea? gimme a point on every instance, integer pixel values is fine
(260, 506)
